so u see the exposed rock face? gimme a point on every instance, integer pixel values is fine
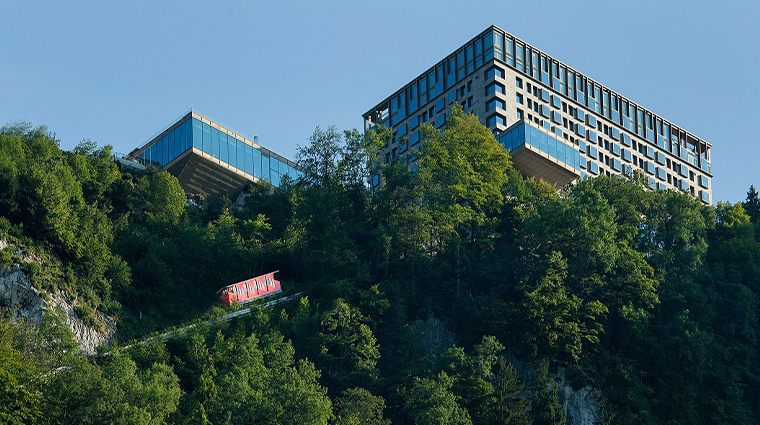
(240, 201)
(20, 297)
(195, 200)
(583, 406)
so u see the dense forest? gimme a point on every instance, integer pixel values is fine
(457, 292)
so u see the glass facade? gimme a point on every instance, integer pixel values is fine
(194, 133)
(525, 134)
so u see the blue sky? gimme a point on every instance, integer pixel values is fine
(117, 74)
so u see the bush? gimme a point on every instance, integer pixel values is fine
(7, 257)
(88, 316)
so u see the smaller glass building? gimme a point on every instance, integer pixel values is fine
(538, 153)
(211, 160)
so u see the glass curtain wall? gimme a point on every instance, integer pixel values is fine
(220, 145)
(526, 134)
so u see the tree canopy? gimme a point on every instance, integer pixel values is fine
(454, 291)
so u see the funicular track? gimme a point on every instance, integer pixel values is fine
(174, 333)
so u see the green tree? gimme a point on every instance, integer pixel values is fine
(558, 322)
(430, 401)
(546, 408)
(319, 159)
(357, 406)
(20, 402)
(462, 171)
(116, 393)
(348, 342)
(507, 405)
(164, 198)
(752, 204)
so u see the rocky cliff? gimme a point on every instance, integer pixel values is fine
(24, 301)
(583, 406)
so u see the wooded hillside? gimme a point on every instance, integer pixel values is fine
(455, 293)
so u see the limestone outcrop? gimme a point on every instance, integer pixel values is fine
(24, 301)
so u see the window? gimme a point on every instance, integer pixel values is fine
(496, 119)
(188, 136)
(257, 170)
(452, 96)
(498, 72)
(265, 167)
(240, 155)
(494, 88)
(556, 117)
(440, 104)
(518, 82)
(401, 130)
(232, 151)
(649, 167)
(440, 121)
(206, 138)
(580, 130)
(545, 112)
(494, 103)
(172, 147)
(615, 133)
(248, 161)
(661, 173)
(415, 137)
(519, 99)
(592, 136)
(626, 139)
(683, 171)
(593, 167)
(615, 149)
(223, 149)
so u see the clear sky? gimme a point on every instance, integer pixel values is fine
(118, 72)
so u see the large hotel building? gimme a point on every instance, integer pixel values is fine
(558, 124)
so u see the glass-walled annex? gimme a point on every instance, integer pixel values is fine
(525, 134)
(193, 132)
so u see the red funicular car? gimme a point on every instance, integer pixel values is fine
(251, 289)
